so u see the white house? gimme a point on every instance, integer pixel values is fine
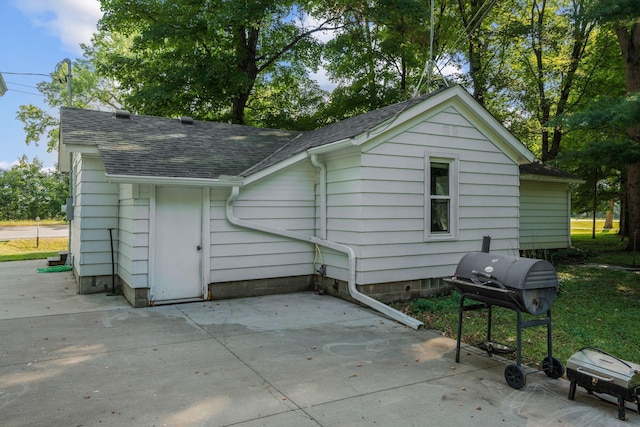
(376, 207)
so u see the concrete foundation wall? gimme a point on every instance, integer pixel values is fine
(384, 292)
(252, 288)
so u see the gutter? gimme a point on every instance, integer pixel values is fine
(351, 254)
(221, 181)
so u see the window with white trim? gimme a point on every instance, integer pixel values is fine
(441, 207)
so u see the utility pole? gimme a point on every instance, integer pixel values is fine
(3, 85)
(66, 77)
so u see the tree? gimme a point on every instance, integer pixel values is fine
(89, 90)
(554, 62)
(205, 59)
(624, 17)
(26, 191)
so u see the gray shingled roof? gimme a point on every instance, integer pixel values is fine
(160, 147)
(543, 169)
(339, 131)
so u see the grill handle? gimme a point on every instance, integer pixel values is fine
(492, 279)
(582, 371)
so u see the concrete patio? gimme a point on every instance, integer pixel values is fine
(283, 360)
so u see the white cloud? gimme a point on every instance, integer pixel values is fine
(72, 21)
(6, 165)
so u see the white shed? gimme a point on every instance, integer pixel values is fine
(378, 206)
(545, 208)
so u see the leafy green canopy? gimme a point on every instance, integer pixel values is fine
(89, 90)
(209, 60)
(27, 191)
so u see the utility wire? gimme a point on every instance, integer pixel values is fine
(22, 91)
(25, 74)
(473, 24)
(19, 84)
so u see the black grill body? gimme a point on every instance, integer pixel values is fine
(530, 283)
(520, 284)
(600, 372)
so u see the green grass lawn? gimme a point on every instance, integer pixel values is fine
(25, 249)
(596, 306)
(25, 222)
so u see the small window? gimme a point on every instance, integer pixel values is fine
(441, 197)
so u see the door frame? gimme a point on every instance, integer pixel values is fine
(205, 253)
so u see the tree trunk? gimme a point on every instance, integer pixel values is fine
(246, 47)
(629, 39)
(475, 50)
(633, 198)
(595, 202)
(608, 219)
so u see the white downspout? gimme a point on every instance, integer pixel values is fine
(351, 254)
(323, 194)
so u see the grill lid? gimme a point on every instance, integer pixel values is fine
(514, 272)
(595, 362)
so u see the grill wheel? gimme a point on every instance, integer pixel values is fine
(555, 369)
(515, 376)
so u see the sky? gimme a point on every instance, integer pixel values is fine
(35, 35)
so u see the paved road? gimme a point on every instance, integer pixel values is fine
(28, 232)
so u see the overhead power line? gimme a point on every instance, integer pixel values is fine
(25, 74)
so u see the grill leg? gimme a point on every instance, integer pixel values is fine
(549, 338)
(489, 316)
(572, 389)
(621, 408)
(519, 337)
(460, 311)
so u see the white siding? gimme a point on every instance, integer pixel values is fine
(95, 211)
(133, 248)
(544, 215)
(285, 200)
(391, 229)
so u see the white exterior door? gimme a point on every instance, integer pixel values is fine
(177, 246)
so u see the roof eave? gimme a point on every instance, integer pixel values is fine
(547, 178)
(221, 181)
(252, 177)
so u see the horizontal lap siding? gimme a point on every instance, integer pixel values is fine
(345, 215)
(393, 197)
(95, 211)
(285, 200)
(544, 216)
(133, 246)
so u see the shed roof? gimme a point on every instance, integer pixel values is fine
(541, 171)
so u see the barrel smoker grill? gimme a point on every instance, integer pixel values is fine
(520, 284)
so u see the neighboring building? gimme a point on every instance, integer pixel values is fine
(545, 207)
(382, 205)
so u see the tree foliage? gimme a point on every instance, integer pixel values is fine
(27, 191)
(88, 89)
(534, 64)
(209, 60)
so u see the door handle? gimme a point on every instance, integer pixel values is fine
(198, 247)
